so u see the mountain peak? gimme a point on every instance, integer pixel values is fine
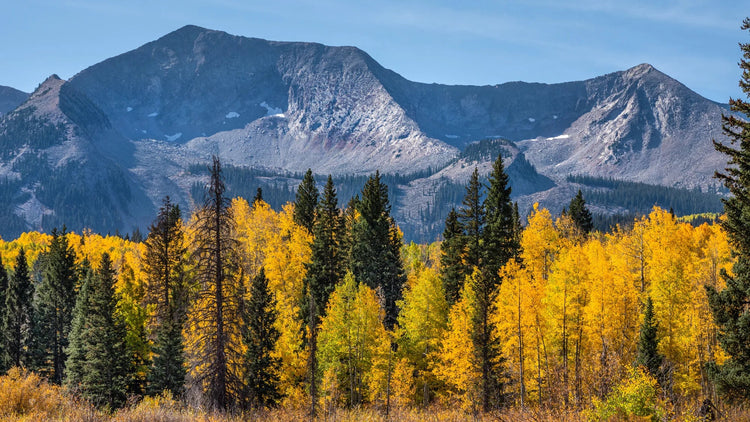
(641, 71)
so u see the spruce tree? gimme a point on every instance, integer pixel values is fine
(259, 336)
(499, 240)
(17, 321)
(76, 350)
(375, 249)
(55, 302)
(730, 306)
(215, 258)
(258, 196)
(453, 270)
(580, 214)
(472, 218)
(164, 262)
(306, 202)
(499, 245)
(324, 271)
(99, 362)
(648, 356)
(3, 292)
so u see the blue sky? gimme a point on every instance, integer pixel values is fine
(479, 42)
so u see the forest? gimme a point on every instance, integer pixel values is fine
(321, 311)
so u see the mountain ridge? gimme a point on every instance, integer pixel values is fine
(152, 112)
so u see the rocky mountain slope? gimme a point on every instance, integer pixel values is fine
(131, 127)
(10, 98)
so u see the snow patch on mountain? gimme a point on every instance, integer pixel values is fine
(272, 111)
(172, 138)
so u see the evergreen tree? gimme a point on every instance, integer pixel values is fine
(76, 350)
(3, 292)
(306, 202)
(99, 363)
(453, 270)
(499, 245)
(375, 249)
(324, 271)
(259, 336)
(729, 306)
(215, 257)
(258, 196)
(500, 242)
(17, 321)
(648, 355)
(55, 302)
(472, 218)
(164, 262)
(580, 214)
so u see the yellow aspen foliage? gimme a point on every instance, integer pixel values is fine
(456, 366)
(403, 385)
(671, 271)
(611, 316)
(515, 326)
(566, 297)
(33, 244)
(285, 256)
(256, 225)
(713, 256)
(539, 243)
(421, 327)
(353, 343)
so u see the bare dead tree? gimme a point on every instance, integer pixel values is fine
(215, 316)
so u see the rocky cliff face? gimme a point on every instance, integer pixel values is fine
(138, 121)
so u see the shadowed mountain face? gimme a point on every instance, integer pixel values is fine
(10, 98)
(140, 121)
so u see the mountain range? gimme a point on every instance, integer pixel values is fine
(103, 148)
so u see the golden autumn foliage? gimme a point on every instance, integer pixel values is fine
(567, 317)
(569, 314)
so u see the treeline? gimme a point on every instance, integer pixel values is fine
(640, 198)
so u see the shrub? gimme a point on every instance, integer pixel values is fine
(637, 396)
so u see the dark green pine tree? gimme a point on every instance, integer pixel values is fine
(375, 247)
(56, 299)
(99, 354)
(730, 306)
(259, 336)
(324, 271)
(17, 321)
(500, 242)
(306, 202)
(3, 291)
(499, 245)
(472, 217)
(165, 252)
(580, 214)
(453, 270)
(258, 196)
(648, 356)
(76, 351)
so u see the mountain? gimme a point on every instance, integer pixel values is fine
(10, 98)
(142, 125)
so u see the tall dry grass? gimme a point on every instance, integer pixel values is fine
(24, 396)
